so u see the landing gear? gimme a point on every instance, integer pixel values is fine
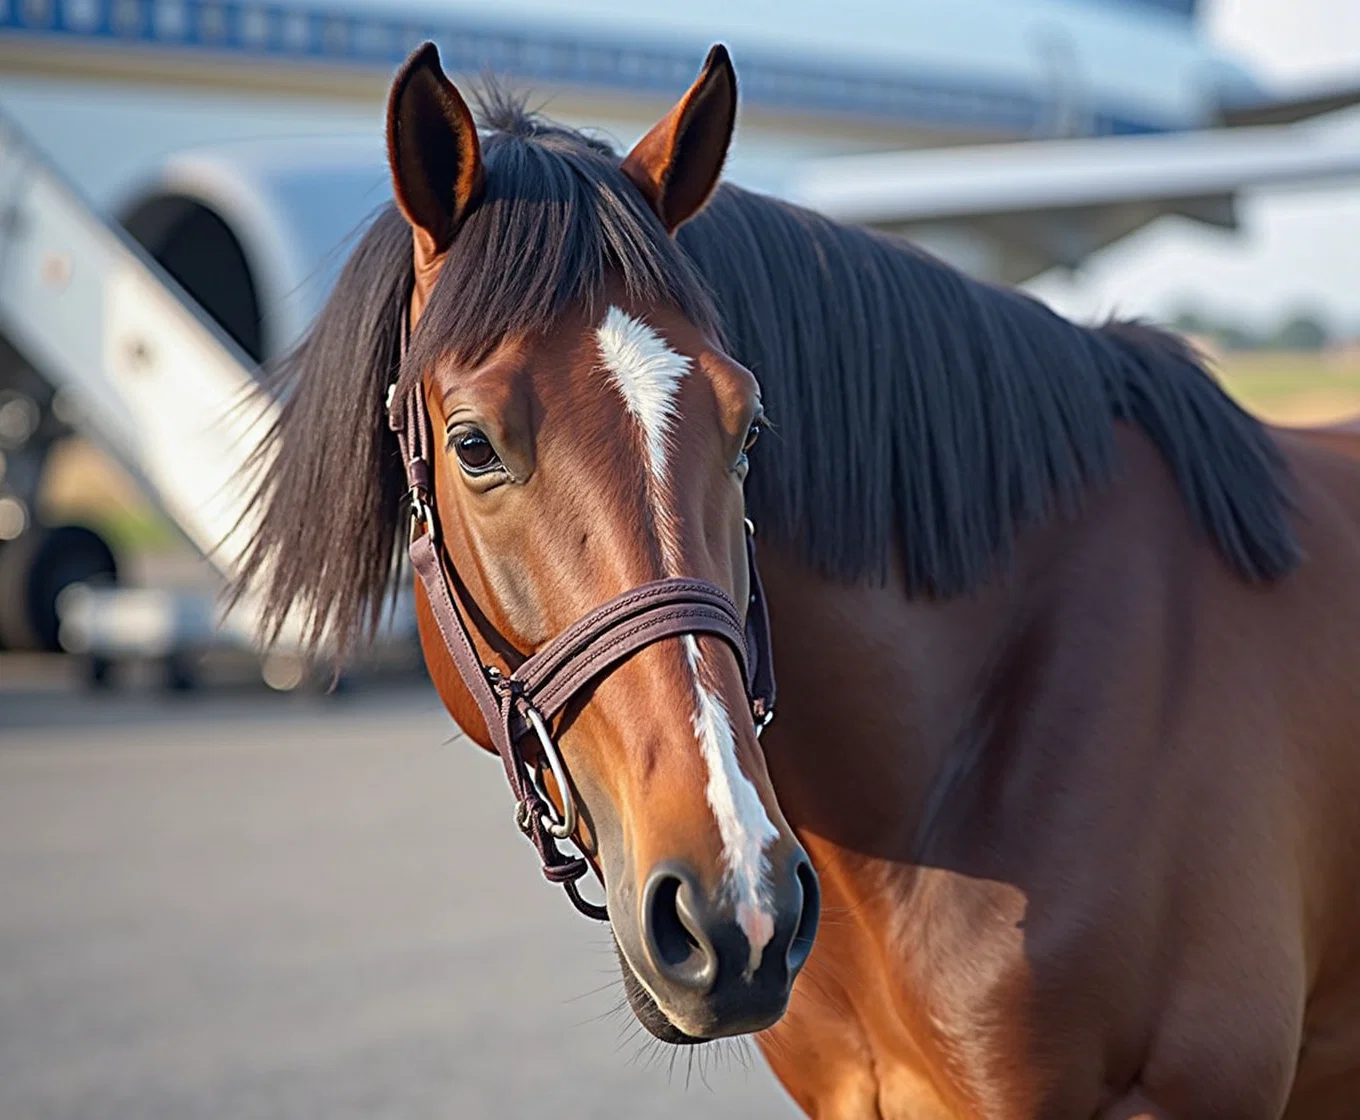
(37, 562)
(180, 672)
(97, 673)
(35, 569)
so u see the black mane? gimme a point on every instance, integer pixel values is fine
(916, 405)
(913, 406)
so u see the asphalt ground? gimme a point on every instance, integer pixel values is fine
(246, 905)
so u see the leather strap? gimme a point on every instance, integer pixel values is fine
(664, 609)
(588, 648)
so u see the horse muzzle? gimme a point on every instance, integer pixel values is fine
(692, 970)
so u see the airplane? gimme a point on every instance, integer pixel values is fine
(898, 75)
(1006, 135)
(877, 77)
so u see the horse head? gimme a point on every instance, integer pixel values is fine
(588, 440)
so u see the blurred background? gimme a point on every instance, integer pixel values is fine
(232, 885)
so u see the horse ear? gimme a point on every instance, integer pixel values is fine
(677, 164)
(433, 151)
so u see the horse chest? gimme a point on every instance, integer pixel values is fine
(909, 1009)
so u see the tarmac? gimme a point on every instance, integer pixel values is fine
(241, 905)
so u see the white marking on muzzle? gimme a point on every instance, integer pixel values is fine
(743, 824)
(648, 374)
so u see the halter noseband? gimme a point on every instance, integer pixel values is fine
(528, 698)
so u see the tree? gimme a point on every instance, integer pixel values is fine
(1191, 322)
(1301, 331)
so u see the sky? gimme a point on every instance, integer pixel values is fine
(1296, 249)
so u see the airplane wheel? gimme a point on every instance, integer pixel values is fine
(35, 569)
(97, 673)
(180, 673)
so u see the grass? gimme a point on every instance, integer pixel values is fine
(1294, 389)
(139, 529)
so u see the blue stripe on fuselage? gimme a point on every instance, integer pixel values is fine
(260, 31)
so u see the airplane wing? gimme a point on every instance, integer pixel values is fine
(1288, 110)
(1056, 201)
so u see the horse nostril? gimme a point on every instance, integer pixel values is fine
(674, 937)
(674, 943)
(806, 931)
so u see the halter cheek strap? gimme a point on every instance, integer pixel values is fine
(526, 700)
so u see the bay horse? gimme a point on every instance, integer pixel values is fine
(1068, 644)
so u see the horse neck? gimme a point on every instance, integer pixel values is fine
(876, 689)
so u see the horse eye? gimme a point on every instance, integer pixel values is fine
(475, 453)
(752, 434)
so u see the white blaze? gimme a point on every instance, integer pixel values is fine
(648, 374)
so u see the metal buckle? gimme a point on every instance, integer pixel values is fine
(524, 816)
(567, 825)
(421, 513)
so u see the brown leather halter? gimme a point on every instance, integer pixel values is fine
(593, 645)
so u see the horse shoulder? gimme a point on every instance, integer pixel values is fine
(1134, 780)
(1109, 849)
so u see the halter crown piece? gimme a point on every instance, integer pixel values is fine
(527, 699)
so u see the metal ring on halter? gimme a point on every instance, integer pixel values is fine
(421, 513)
(567, 825)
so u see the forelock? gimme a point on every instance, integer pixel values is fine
(559, 228)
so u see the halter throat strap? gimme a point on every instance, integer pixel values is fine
(526, 700)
